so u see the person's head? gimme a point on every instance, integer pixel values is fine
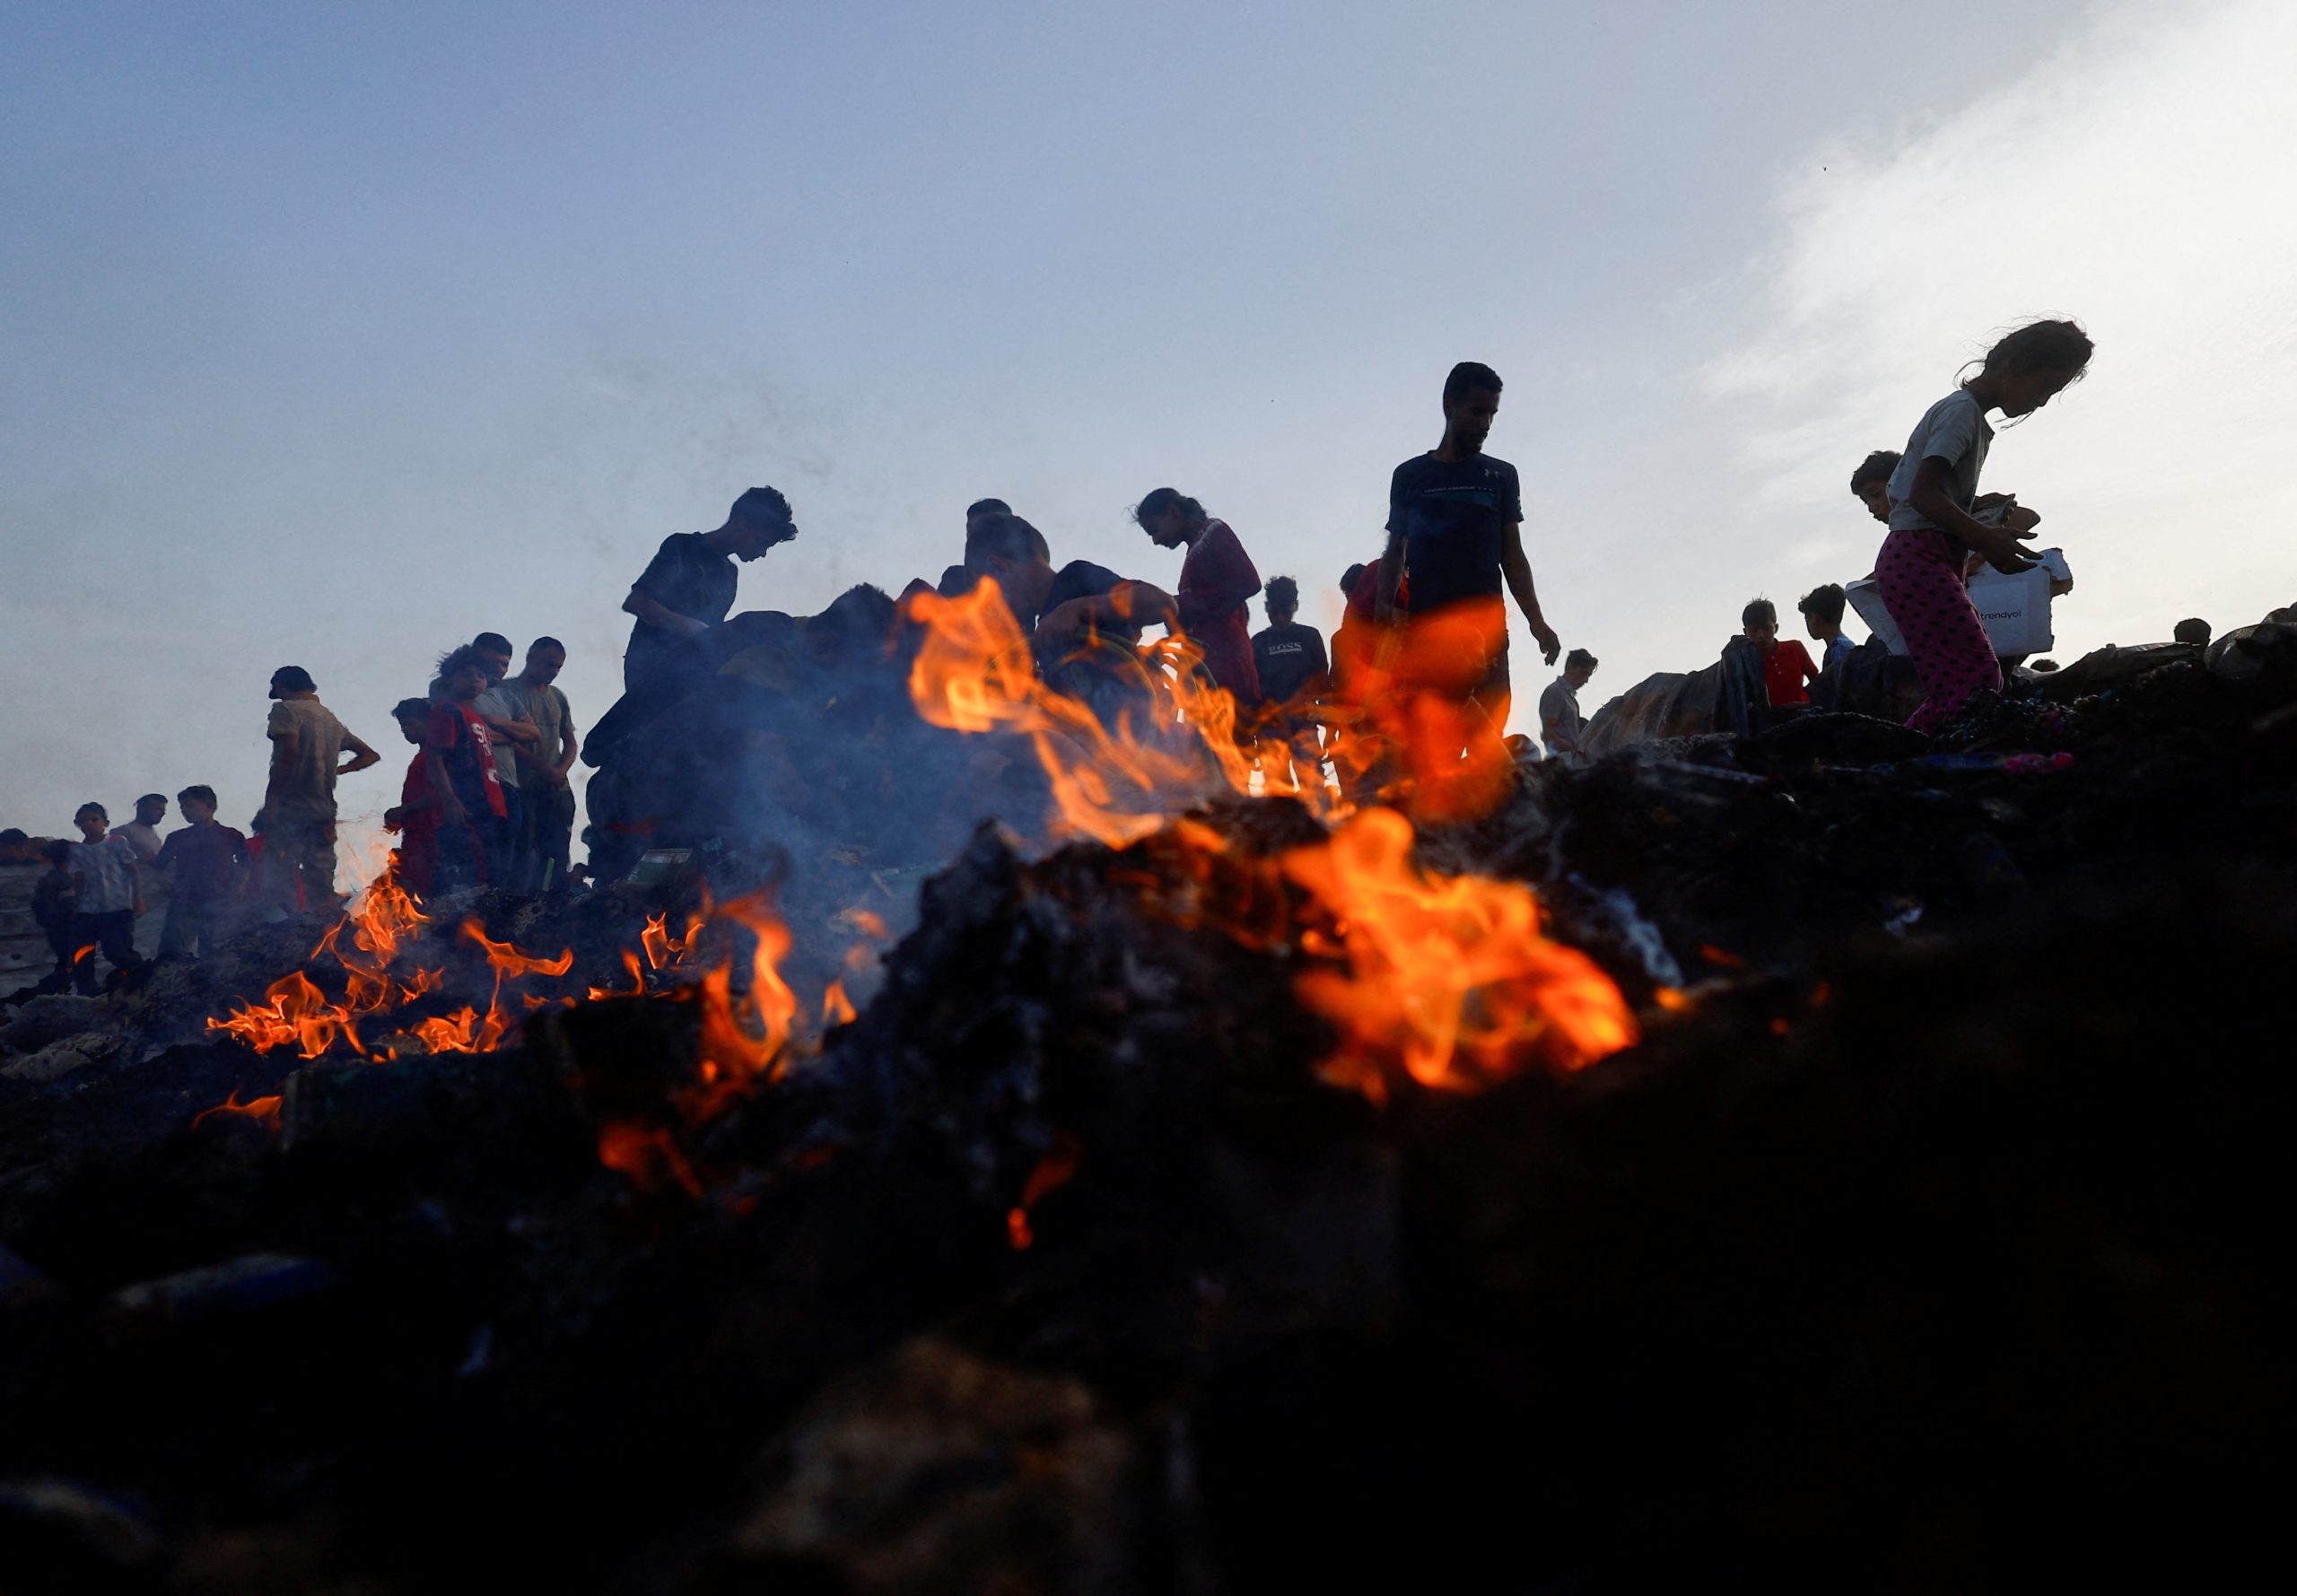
(1471, 401)
(2031, 365)
(289, 680)
(493, 651)
(857, 627)
(760, 519)
(198, 803)
(545, 658)
(14, 845)
(1283, 599)
(151, 808)
(1170, 517)
(92, 822)
(464, 671)
(58, 852)
(1870, 484)
(1760, 619)
(1821, 610)
(413, 717)
(1350, 577)
(2193, 629)
(1579, 667)
(1008, 548)
(979, 508)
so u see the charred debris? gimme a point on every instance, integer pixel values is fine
(1922, 1237)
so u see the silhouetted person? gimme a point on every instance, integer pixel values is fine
(2194, 630)
(1562, 728)
(1785, 666)
(143, 833)
(1218, 581)
(110, 896)
(1821, 609)
(1290, 659)
(298, 815)
(1870, 483)
(546, 801)
(689, 587)
(1455, 539)
(205, 866)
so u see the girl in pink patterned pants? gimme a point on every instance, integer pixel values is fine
(1920, 568)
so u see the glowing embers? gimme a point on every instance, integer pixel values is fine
(1447, 978)
(295, 1013)
(263, 1111)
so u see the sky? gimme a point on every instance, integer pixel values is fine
(332, 336)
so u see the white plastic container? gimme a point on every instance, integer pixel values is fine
(2015, 607)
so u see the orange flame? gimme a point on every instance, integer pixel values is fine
(264, 1111)
(742, 1039)
(837, 1008)
(975, 672)
(647, 1154)
(662, 949)
(1447, 976)
(507, 961)
(296, 1013)
(1055, 1170)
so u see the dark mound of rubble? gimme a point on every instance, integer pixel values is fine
(1928, 1241)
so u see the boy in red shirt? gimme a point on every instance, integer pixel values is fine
(1785, 666)
(458, 753)
(415, 817)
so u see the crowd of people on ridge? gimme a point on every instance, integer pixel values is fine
(487, 798)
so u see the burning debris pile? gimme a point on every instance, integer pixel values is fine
(1825, 1157)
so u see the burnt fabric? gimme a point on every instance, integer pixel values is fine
(686, 576)
(1217, 580)
(1785, 670)
(1453, 517)
(1920, 574)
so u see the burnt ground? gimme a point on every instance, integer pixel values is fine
(1931, 1243)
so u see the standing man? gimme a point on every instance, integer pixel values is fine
(306, 747)
(143, 833)
(1455, 536)
(1562, 728)
(203, 863)
(509, 731)
(689, 587)
(1289, 659)
(545, 802)
(1217, 582)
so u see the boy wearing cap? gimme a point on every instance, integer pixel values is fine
(298, 818)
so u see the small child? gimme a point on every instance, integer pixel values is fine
(1920, 569)
(459, 758)
(1785, 666)
(415, 817)
(56, 900)
(111, 895)
(206, 863)
(1870, 484)
(1821, 610)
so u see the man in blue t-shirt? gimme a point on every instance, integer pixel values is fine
(1456, 519)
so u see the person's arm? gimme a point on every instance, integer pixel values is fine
(1383, 606)
(524, 734)
(1518, 567)
(569, 746)
(1319, 679)
(1998, 544)
(655, 613)
(362, 756)
(1128, 604)
(1808, 668)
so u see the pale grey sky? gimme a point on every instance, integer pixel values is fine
(332, 336)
